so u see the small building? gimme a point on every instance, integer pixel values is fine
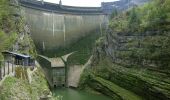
(18, 59)
(58, 72)
(55, 70)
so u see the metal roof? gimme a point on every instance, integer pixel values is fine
(16, 54)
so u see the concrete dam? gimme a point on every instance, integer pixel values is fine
(55, 25)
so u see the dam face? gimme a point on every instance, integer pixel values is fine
(51, 30)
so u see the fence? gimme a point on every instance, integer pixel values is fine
(6, 68)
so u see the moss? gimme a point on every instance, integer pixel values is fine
(146, 83)
(117, 90)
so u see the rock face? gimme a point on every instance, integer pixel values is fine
(121, 5)
(14, 32)
(128, 56)
(15, 36)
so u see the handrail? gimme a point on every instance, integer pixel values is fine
(56, 8)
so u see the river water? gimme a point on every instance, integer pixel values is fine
(72, 94)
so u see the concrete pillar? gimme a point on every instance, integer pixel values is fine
(0, 70)
(66, 75)
(8, 67)
(4, 68)
(60, 2)
(42, 1)
(12, 66)
(0, 73)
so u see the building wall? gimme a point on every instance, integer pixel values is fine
(46, 66)
(59, 76)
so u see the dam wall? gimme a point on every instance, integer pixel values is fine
(51, 29)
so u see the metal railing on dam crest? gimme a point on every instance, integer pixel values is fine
(54, 25)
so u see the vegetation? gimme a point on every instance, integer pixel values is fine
(147, 84)
(14, 36)
(148, 29)
(6, 22)
(11, 30)
(11, 87)
(6, 41)
(134, 54)
(7, 26)
(21, 72)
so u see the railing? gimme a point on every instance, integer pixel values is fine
(49, 7)
(6, 68)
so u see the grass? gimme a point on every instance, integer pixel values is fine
(12, 87)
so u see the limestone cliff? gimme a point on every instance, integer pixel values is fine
(15, 36)
(14, 32)
(131, 61)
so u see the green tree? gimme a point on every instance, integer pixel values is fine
(134, 20)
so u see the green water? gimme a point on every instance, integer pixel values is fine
(72, 94)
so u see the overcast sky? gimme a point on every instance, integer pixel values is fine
(85, 3)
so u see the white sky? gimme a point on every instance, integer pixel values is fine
(84, 3)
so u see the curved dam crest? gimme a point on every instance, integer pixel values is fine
(51, 30)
